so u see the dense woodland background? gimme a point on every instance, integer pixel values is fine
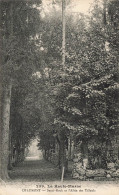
(41, 97)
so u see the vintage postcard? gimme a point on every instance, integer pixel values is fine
(59, 97)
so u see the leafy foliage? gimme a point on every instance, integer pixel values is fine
(86, 90)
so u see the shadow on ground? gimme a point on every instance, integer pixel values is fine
(36, 170)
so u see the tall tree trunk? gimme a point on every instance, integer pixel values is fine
(6, 113)
(63, 32)
(62, 151)
(104, 11)
(85, 153)
(5, 130)
(5, 98)
(10, 151)
(0, 93)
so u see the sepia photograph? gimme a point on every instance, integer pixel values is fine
(59, 97)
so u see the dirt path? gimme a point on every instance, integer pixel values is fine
(35, 170)
(32, 173)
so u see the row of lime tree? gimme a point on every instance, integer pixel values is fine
(40, 97)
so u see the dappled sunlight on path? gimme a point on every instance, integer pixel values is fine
(35, 170)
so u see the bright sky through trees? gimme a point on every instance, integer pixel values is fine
(80, 5)
(75, 6)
